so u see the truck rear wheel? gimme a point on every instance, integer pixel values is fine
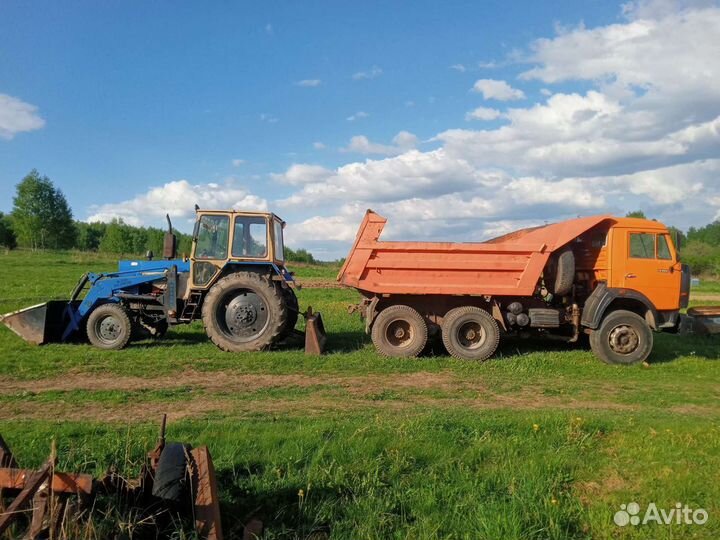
(109, 327)
(399, 331)
(470, 333)
(622, 338)
(243, 312)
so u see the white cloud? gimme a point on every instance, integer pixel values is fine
(237, 162)
(357, 116)
(177, 198)
(16, 116)
(302, 173)
(402, 142)
(317, 145)
(309, 83)
(372, 73)
(269, 118)
(459, 67)
(483, 113)
(498, 90)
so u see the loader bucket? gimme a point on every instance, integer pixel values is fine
(315, 336)
(40, 324)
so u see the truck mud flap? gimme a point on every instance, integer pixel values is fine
(39, 324)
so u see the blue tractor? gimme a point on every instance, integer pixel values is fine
(235, 280)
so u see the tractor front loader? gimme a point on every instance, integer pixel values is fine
(235, 280)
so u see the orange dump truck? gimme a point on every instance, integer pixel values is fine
(614, 279)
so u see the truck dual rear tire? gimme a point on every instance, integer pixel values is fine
(399, 331)
(470, 333)
(243, 312)
(622, 338)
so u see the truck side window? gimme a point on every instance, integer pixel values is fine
(663, 251)
(642, 246)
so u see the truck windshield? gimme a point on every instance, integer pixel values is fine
(212, 237)
(250, 237)
(279, 248)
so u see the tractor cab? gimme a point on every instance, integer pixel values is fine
(222, 238)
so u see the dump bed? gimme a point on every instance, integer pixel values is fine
(509, 265)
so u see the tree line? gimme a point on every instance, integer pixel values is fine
(42, 219)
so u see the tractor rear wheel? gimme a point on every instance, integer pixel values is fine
(399, 331)
(109, 327)
(244, 311)
(293, 310)
(470, 333)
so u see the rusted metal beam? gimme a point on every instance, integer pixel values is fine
(32, 484)
(61, 482)
(207, 505)
(6, 456)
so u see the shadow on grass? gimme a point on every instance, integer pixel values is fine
(281, 509)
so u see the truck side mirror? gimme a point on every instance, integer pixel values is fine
(169, 242)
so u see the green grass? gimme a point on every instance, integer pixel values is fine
(543, 441)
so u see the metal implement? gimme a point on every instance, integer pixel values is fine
(315, 336)
(41, 496)
(701, 320)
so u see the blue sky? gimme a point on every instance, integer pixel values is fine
(130, 105)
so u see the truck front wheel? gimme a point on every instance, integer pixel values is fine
(470, 333)
(622, 338)
(399, 331)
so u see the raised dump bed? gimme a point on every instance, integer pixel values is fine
(507, 266)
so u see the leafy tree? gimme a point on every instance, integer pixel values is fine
(89, 235)
(41, 215)
(636, 214)
(7, 235)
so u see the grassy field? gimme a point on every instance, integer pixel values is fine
(543, 441)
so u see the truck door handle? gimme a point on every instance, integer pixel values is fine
(630, 276)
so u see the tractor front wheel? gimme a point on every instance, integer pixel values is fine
(109, 327)
(243, 312)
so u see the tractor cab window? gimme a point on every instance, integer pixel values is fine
(279, 248)
(250, 237)
(212, 237)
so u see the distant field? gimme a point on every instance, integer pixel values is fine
(543, 441)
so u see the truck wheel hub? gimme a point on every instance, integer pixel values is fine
(471, 335)
(399, 333)
(624, 339)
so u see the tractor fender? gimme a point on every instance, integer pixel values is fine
(603, 296)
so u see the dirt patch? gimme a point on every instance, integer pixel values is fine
(319, 283)
(226, 381)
